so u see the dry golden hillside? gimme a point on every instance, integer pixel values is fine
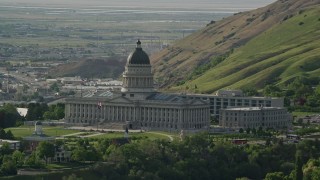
(177, 61)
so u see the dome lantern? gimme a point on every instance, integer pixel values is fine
(138, 56)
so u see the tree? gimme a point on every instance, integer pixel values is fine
(287, 167)
(248, 130)
(55, 87)
(8, 167)
(275, 176)
(18, 158)
(254, 131)
(272, 90)
(313, 101)
(311, 170)
(298, 165)
(2, 134)
(36, 111)
(9, 135)
(260, 131)
(45, 150)
(241, 130)
(79, 154)
(48, 115)
(5, 149)
(9, 116)
(33, 161)
(54, 112)
(59, 111)
(250, 91)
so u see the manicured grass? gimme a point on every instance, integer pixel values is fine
(24, 131)
(21, 131)
(109, 135)
(148, 135)
(151, 136)
(58, 131)
(64, 165)
(303, 114)
(48, 130)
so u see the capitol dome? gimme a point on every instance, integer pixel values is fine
(138, 56)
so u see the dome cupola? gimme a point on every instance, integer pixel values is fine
(138, 77)
(138, 56)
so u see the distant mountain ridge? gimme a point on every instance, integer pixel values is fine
(269, 44)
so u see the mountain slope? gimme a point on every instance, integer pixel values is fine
(260, 40)
(89, 68)
(278, 55)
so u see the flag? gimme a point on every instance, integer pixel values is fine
(99, 105)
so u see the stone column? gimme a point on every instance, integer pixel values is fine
(77, 113)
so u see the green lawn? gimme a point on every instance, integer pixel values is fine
(109, 135)
(149, 135)
(65, 165)
(303, 114)
(48, 130)
(24, 131)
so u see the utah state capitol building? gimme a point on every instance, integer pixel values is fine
(138, 105)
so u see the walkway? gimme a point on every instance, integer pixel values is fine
(169, 136)
(91, 135)
(73, 134)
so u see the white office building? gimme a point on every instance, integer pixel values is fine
(255, 117)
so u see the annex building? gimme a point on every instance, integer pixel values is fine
(138, 104)
(234, 98)
(255, 117)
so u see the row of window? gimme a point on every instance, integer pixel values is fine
(251, 125)
(152, 114)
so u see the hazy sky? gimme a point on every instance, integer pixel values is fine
(170, 4)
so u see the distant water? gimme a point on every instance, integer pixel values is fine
(119, 10)
(224, 6)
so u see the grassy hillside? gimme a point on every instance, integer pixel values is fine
(288, 49)
(268, 44)
(89, 68)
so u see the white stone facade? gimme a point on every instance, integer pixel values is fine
(220, 101)
(138, 105)
(149, 114)
(255, 117)
(137, 78)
